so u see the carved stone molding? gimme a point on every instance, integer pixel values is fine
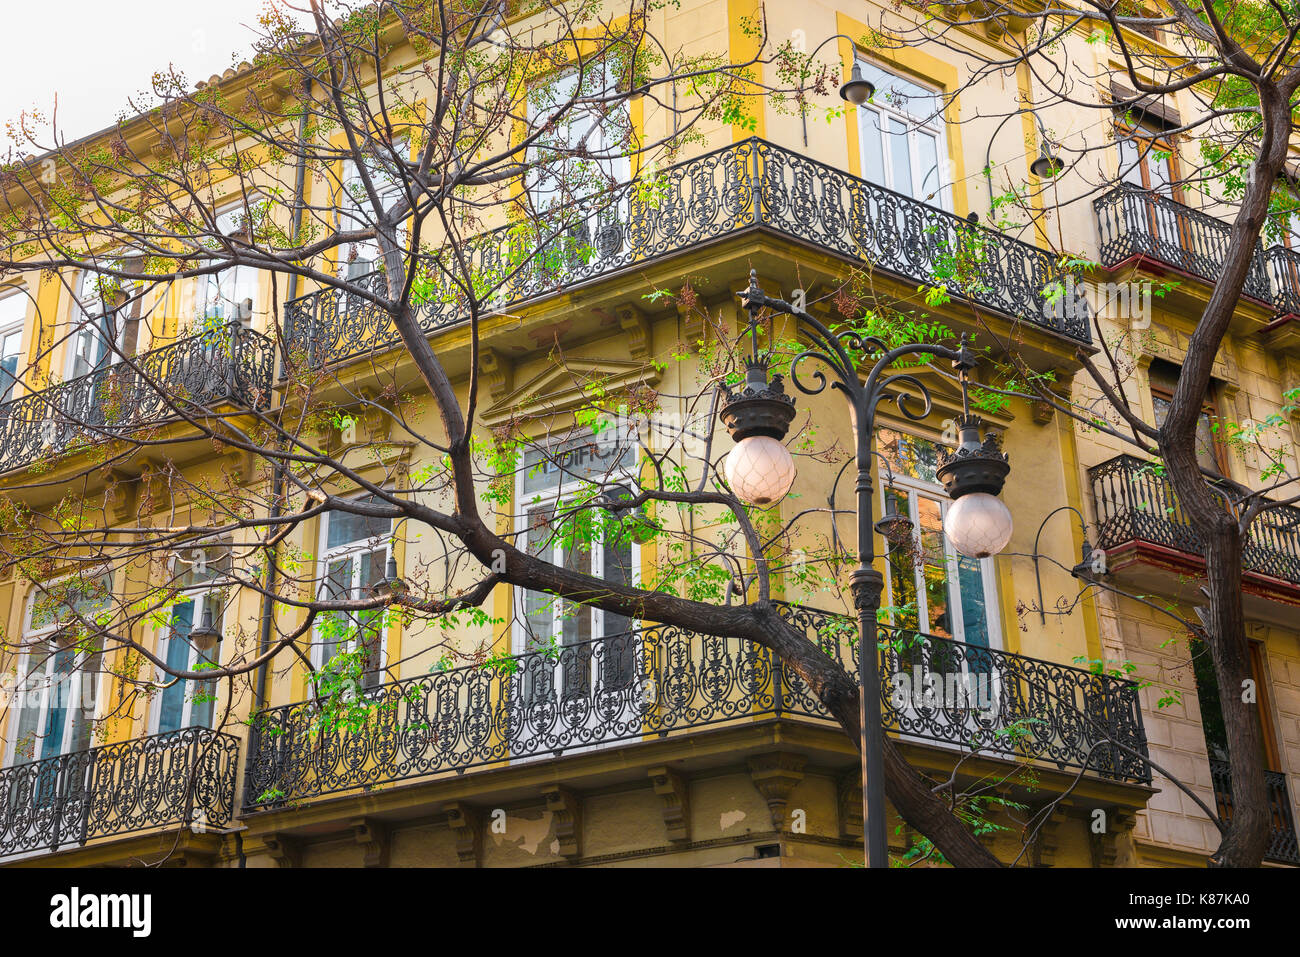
(1108, 846)
(849, 800)
(775, 776)
(636, 331)
(373, 838)
(494, 373)
(566, 810)
(675, 792)
(467, 827)
(1051, 834)
(285, 851)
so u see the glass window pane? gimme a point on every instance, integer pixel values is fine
(346, 528)
(873, 150)
(586, 458)
(928, 157)
(900, 158)
(909, 455)
(975, 625)
(171, 711)
(920, 104)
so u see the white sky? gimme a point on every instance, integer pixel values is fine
(96, 53)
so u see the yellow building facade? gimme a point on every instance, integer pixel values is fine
(652, 746)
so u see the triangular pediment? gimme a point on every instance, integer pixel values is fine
(563, 387)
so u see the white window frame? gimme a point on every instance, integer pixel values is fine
(201, 596)
(547, 498)
(348, 203)
(205, 293)
(31, 636)
(8, 329)
(935, 127)
(81, 321)
(918, 487)
(331, 555)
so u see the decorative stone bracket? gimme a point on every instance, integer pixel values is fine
(675, 792)
(566, 809)
(775, 776)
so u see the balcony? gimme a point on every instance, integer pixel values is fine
(181, 778)
(229, 366)
(1137, 223)
(662, 681)
(1282, 846)
(750, 185)
(1284, 274)
(1136, 505)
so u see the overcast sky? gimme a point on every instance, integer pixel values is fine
(96, 53)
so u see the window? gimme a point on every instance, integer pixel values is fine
(56, 687)
(186, 703)
(583, 153)
(356, 212)
(231, 294)
(13, 314)
(574, 165)
(1147, 162)
(1163, 377)
(549, 478)
(902, 138)
(106, 320)
(1207, 691)
(932, 589)
(355, 552)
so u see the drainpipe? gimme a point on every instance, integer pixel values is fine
(277, 482)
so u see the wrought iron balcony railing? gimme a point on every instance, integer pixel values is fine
(1284, 274)
(183, 777)
(662, 680)
(752, 184)
(1282, 845)
(230, 365)
(1139, 222)
(1136, 503)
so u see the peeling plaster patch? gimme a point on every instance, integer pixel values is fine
(730, 818)
(526, 833)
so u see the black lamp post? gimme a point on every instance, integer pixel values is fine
(758, 416)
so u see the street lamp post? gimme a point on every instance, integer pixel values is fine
(761, 471)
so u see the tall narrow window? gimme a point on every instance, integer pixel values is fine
(549, 479)
(932, 589)
(576, 166)
(901, 133)
(1147, 161)
(189, 703)
(13, 314)
(58, 671)
(354, 558)
(1163, 377)
(356, 212)
(230, 295)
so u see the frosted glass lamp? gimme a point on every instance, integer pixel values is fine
(760, 470)
(978, 525)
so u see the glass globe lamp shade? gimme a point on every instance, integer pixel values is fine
(978, 525)
(760, 470)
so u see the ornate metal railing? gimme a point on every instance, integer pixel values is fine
(661, 680)
(1284, 274)
(229, 365)
(182, 777)
(1139, 222)
(1282, 845)
(746, 185)
(1136, 503)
